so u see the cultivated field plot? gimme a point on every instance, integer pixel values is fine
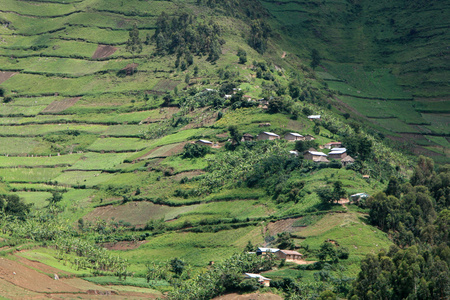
(165, 151)
(433, 107)
(136, 213)
(33, 101)
(119, 144)
(98, 35)
(397, 125)
(10, 162)
(30, 175)
(20, 146)
(27, 84)
(97, 161)
(43, 9)
(403, 110)
(195, 248)
(37, 130)
(6, 75)
(124, 130)
(440, 123)
(165, 85)
(103, 51)
(59, 106)
(182, 165)
(38, 199)
(87, 178)
(58, 65)
(10, 110)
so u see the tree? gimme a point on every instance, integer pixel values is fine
(316, 129)
(187, 78)
(15, 206)
(326, 250)
(315, 58)
(55, 198)
(177, 266)
(235, 135)
(338, 190)
(242, 56)
(284, 241)
(134, 43)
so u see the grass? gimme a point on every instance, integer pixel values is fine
(89, 179)
(14, 162)
(97, 161)
(180, 164)
(13, 145)
(119, 144)
(38, 199)
(31, 175)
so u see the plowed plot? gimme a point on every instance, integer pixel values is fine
(59, 106)
(6, 75)
(281, 226)
(164, 151)
(21, 276)
(165, 85)
(104, 51)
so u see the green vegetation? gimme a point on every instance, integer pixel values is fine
(103, 103)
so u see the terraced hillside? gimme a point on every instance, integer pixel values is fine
(98, 141)
(387, 59)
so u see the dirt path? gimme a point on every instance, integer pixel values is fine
(283, 55)
(6, 75)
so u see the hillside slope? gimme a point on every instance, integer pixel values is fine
(387, 59)
(99, 135)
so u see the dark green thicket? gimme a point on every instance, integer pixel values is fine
(416, 215)
(184, 36)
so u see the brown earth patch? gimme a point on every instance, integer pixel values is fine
(163, 151)
(60, 105)
(6, 75)
(252, 296)
(21, 276)
(281, 226)
(103, 51)
(123, 245)
(42, 267)
(188, 174)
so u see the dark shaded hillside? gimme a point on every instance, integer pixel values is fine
(379, 50)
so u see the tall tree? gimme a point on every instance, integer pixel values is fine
(134, 43)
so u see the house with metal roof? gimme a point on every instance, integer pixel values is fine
(268, 136)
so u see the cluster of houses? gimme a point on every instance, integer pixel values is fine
(337, 151)
(288, 255)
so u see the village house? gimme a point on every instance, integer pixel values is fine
(261, 279)
(268, 136)
(264, 251)
(348, 160)
(358, 197)
(315, 156)
(227, 96)
(204, 143)
(292, 136)
(309, 137)
(247, 137)
(332, 145)
(208, 90)
(314, 117)
(289, 255)
(263, 124)
(337, 153)
(294, 152)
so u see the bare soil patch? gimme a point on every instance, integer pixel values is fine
(59, 106)
(6, 75)
(103, 51)
(281, 226)
(42, 267)
(164, 151)
(21, 276)
(123, 245)
(252, 296)
(188, 174)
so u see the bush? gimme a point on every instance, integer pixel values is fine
(194, 150)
